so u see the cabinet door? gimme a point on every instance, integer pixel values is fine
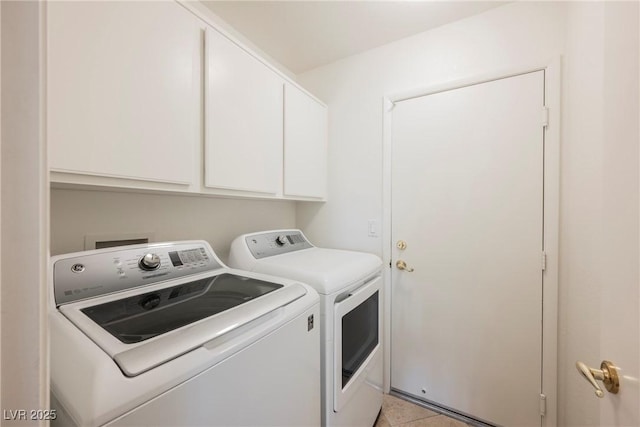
(305, 145)
(124, 89)
(243, 119)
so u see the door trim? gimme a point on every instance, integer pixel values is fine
(551, 217)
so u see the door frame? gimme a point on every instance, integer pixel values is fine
(551, 215)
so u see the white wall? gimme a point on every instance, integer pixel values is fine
(593, 182)
(25, 376)
(76, 213)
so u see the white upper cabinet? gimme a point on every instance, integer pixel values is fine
(243, 119)
(124, 90)
(151, 96)
(305, 145)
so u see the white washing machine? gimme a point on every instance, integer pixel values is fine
(167, 335)
(350, 288)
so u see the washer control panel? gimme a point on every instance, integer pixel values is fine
(84, 275)
(262, 245)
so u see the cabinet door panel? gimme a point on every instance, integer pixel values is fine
(243, 119)
(124, 89)
(305, 145)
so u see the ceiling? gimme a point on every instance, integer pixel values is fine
(303, 35)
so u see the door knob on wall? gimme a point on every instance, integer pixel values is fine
(401, 265)
(607, 374)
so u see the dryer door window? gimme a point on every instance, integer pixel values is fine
(356, 339)
(359, 336)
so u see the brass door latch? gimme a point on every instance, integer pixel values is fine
(607, 374)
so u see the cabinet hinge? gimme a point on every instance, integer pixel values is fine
(544, 260)
(543, 405)
(545, 116)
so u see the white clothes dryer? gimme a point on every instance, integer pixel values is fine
(350, 288)
(166, 335)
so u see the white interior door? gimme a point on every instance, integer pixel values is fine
(619, 340)
(467, 198)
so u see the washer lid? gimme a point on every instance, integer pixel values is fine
(146, 329)
(142, 317)
(326, 270)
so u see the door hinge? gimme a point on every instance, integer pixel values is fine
(544, 260)
(543, 405)
(545, 116)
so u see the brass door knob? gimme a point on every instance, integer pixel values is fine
(401, 265)
(607, 374)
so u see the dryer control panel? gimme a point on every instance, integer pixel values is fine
(93, 273)
(262, 245)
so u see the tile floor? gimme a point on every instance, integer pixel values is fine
(397, 412)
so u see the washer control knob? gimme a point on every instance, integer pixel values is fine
(281, 240)
(149, 262)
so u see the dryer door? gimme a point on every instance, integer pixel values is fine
(357, 326)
